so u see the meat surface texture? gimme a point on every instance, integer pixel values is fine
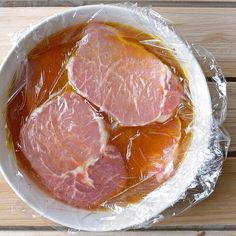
(122, 78)
(65, 142)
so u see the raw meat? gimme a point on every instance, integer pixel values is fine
(122, 78)
(65, 141)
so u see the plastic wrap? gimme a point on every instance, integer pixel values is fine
(109, 121)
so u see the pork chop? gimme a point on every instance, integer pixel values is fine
(65, 142)
(122, 78)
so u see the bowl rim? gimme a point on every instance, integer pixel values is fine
(8, 57)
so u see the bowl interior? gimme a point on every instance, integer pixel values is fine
(158, 200)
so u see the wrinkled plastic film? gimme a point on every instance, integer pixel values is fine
(95, 146)
(205, 181)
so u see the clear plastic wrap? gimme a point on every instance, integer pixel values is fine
(109, 122)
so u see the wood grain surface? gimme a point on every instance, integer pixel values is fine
(128, 233)
(213, 28)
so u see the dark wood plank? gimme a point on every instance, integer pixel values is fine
(128, 233)
(154, 3)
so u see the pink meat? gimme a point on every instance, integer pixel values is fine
(123, 78)
(66, 143)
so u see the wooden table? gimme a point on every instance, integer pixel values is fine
(211, 24)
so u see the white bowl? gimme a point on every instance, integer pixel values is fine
(158, 200)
